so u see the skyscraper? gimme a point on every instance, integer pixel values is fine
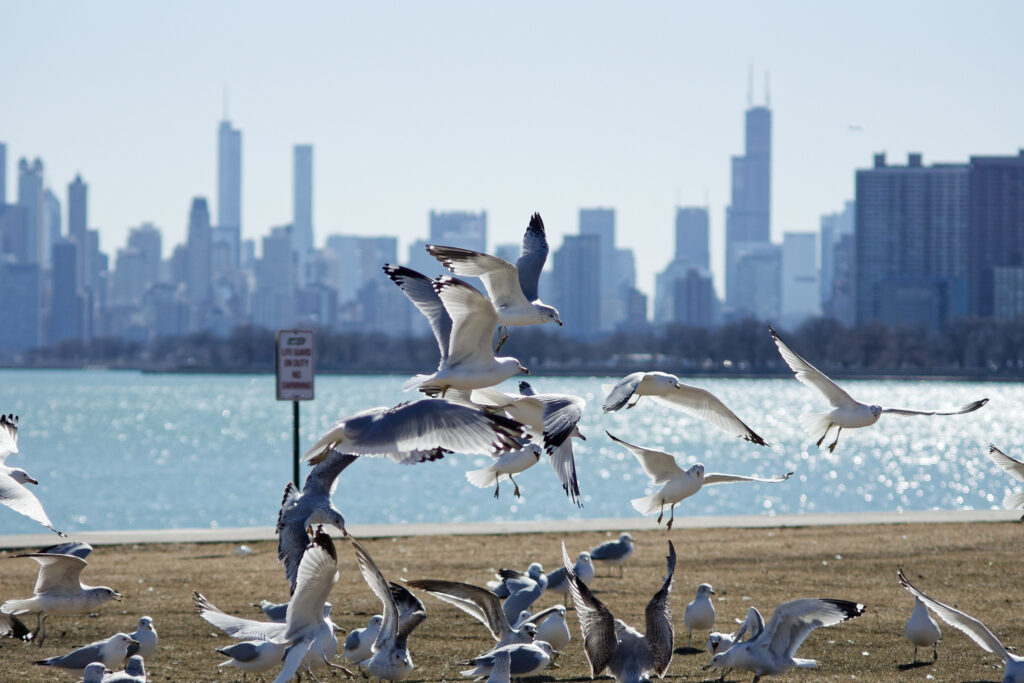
(67, 308)
(78, 223)
(462, 229)
(198, 281)
(799, 291)
(229, 183)
(577, 284)
(748, 216)
(618, 274)
(20, 307)
(51, 221)
(302, 213)
(911, 242)
(692, 236)
(147, 240)
(30, 198)
(3, 173)
(996, 228)
(833, 227)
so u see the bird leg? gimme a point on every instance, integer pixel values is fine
(516, 491)
(620, 570)
(504, 338)
(722, 679)
(823, 435)
(832, 448)
(915, 654)
(935, 652)
(671, 519)
(41, 618)
(661, 514)
(497, 486)
(636, 399)
(339, 668)
(689, 637)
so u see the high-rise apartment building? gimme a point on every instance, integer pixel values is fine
(229, 185)
(832, 228)
(462, 229)
(51, 221)
(302, 208)
(911, 242)
(577, 284)
(274, 300)
(996, 227)
(20, 307)
(618, 272)
(30, 198)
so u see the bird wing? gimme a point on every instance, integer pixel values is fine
(533, 257)
(501, 667)
(14, 627)
(563, 462)
(812, 376)
(79, 549)
(1012, 466)
(479, 603)
(969, 408)
(704, 405)
(8, 436)
(543, 614)
(324, 476)
(292, 541)
(245, 651)
(660, 467)
(621, 392)
(974, 629)
(318, 572)
(793, 621)
(20, 499)
(82, 657)
(596, 623)
(658, 618)
(420, 291)
(500, 278)
(57, 573)
(562, 413)
(236, 627)
(716, 478)
(411, 612)
(473, 321)
(293, 657)
(379, 585)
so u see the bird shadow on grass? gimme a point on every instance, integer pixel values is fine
(687, 650)
(914, 665)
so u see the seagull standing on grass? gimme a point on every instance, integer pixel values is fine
(921, 630)
(614, 552)
(498, 587)
(145, 636)
(512, 289)
(700, 613)
(667, 390)
(677, 484)
(558, 580)
(59, 589)
(554, 630)
(771, 652)
(1013, 665)
(609, 643)
(109, 652)
(359, 643)
(1013, 467)
(552, 419)
(14, 480)
(463, 324)
(846, 412)
(134, 672)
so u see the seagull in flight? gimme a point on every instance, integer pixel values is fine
(1013, 467)
(609, 643)
(667, 390)
(1013, 665)
(14, 480)
(411, 433)
(303, 510)
(846, 412)
(463, 321)
(676, 483)
(512, 288)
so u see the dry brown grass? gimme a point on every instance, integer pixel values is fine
(976, 566)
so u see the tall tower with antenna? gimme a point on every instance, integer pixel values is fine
(229, 183)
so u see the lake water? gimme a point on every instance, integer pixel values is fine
(121, 450)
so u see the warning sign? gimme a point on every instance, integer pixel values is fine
(294, 365)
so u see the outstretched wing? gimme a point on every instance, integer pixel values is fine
(596, 623)
(621, 392)
(411, 612)
(534, 255)
(969, 408)
(716, 478)
(704, 405)
(479, 603)
(793, 621)
(658, 616)
(15, 496)
(974, 629)
(660, 467)
(812, 376)
(1012, 466)
(562, 413)
(8, 435)
(375, 580)
(500, 278)
(236, 627)
(420, 290)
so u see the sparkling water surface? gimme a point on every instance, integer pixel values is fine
(126, 450)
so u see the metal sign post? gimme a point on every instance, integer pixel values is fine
(295, 374)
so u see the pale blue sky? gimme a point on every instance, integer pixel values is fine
(510, 107)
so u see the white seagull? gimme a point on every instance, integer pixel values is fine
(677, 484)
(700, 613)
(846, 412)
(304, 510)
(501, 667)
(415, 432)
(253, 656)
(59, 589)
(145, 636)
(110, 652)
(511, 288)
(523, 592)
(134, 671)
(498, 587)
(614, 552)
(609, 643)
(720, 642)
(14, 480)
(525, 659)
(583, 568)
(402, 612)
(503, 467)
(771, 651)
(1013, 665)
(921, 630)
(552, 419)
(1013, 467)
(482, 605)
(463, 321)
(667, 390)
(554, 630)
(359, 642)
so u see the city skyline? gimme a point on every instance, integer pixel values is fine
(540, 115)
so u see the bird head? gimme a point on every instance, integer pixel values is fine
(876, 410)
(697, 471)
(21, 476)
(549, 314)
(705, 589)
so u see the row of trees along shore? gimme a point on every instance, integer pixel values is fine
(965, 347)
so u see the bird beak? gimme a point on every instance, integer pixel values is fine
(714, 593)
(118, 596)
(582, 438)
(705, 667)
(560, 323)
(134, 642)
(30, 480)
(526, 371)
(337, 629)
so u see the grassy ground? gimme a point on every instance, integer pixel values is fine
(975, 566)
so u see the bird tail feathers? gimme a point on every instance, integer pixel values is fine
(805, 663)
(648, 504)
(415, 381)
(1013, 501)
(816, 424)
(15, 607)
(482, 478)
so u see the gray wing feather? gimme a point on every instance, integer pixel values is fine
(411, 613)
(561, 415)
(610, 550)
(20, 499)
(478, 602)
(534, 255)
(375, 580)
(621, 392)
(323, 475)
(236, 627)
(658, 616)
(243, 652)
(1012, 466)
(969, 408)
(420, 291)
(596, 623)
(80, 658)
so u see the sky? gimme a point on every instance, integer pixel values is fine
(508, 107)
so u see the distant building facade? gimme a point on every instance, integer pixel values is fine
(996, 226)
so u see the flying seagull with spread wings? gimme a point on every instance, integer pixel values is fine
(14, 481)
(512, 289)
(846, 412)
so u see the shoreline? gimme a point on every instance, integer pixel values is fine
(415, 529)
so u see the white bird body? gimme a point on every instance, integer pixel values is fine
(146, 637)
(503, 467)
(359, 643)
(921, 630)
(615, 552)
(110, 652)
(134, 672)
(700, 613)
(554, 630)
(677, 484)
(14, 481)
(525, 659)
(254, 656)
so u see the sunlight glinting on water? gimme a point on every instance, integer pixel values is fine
(125, 450)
